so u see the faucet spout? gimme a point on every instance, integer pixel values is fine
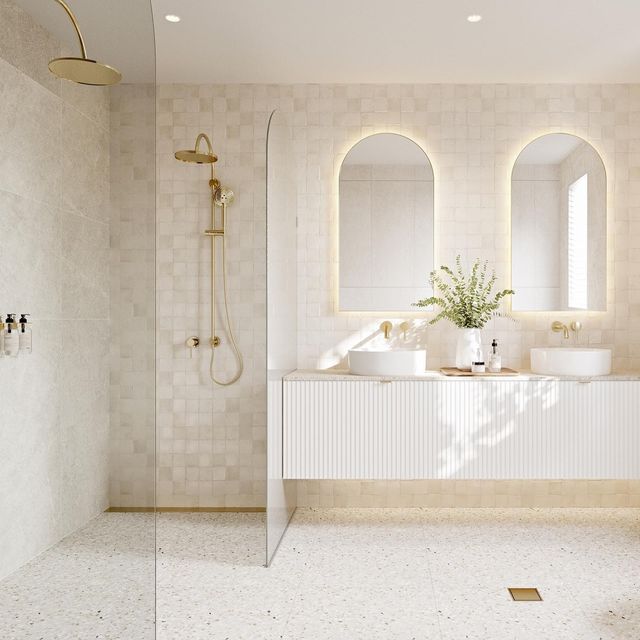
(386, 327)
(557, 326)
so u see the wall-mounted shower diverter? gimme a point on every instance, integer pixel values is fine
(193, 342)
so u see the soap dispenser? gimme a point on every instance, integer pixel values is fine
(495, 360)
(24, 334)
(10, 336)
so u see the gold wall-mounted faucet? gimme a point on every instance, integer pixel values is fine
(557, 326)
(404, 327)
(386, 327)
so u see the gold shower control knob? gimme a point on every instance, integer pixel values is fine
(215, 341)
(192, 343)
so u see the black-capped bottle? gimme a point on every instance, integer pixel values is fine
(24, 334)
(11, 340)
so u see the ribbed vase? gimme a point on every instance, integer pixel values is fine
(468, 349)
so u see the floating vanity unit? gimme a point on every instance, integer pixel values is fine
(341, 426)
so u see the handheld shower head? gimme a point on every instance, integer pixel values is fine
(224, 196)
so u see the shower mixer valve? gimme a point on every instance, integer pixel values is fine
(192, 343)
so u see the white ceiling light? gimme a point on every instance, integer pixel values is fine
(170, 17)
(474, 17)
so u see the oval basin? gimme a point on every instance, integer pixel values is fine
(389, 362)
(570, 361)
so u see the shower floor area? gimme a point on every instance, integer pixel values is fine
(339, 573)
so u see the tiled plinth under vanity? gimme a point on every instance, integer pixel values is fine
(337, 426)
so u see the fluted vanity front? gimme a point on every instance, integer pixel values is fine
(338, 426)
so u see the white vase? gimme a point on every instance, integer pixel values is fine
(468, 348)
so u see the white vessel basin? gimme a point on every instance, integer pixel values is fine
(387, 362)
(571, 361)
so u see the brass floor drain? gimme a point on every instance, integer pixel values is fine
(528, 594)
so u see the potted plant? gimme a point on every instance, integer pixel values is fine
(468, 301)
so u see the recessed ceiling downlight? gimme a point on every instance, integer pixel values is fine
(474, 17)
(171, 17)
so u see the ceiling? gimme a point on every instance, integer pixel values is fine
(359, 41)
(342, 41)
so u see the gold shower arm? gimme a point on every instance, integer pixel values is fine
(74, 22)
(201, 136)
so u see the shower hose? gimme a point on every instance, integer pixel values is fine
(232, 339)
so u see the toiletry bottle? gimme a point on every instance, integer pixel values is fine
(10, 334)
(24, 334)
(477, 366)
(495, 360)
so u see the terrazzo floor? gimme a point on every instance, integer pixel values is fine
(347, 574)
(96, 583)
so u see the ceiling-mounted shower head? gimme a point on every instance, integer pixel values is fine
(83, 70)
(224, 196)
(195, 155)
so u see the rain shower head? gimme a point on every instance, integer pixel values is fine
(83, 70)
(195, 155)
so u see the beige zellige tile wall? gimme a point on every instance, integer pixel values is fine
(472, 134)
(132, 308)
(211, 439)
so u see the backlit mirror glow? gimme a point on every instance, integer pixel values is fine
(558, 226)
(386, 225)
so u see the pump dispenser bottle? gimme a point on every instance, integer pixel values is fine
(24, 334)
(495, 361)
(10, 334)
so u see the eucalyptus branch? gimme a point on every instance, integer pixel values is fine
(467, 301)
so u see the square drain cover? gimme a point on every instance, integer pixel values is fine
(527, 594)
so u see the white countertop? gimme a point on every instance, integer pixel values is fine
(437, 376)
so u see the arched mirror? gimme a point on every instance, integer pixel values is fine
(559, 226)
(386, 225)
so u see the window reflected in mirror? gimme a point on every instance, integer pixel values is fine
(559, 226)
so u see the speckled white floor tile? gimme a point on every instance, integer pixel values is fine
(340, 574)
(565, 553)
(96, 583)
(211, 578)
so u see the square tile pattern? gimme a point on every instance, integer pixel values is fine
(212, 440)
